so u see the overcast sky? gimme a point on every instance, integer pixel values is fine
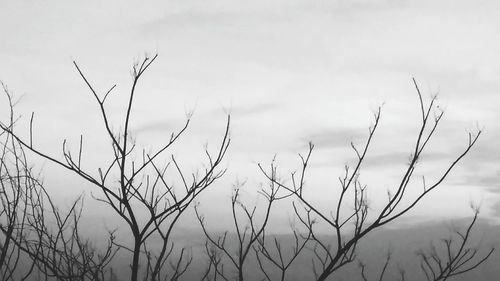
(289, 72)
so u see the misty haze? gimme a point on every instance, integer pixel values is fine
(250, 140)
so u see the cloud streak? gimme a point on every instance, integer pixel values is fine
(335, 138)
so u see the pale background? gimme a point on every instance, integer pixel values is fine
(287, 71)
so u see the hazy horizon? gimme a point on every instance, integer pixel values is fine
(287, 72)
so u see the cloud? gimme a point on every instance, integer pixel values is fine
(490, 181)
(335, 138)
(235, 111)
(159, 126)
(399, 158)
(495, 210)
(380, 155)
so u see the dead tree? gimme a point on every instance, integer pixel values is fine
(273, 254)
(456, 256)
(251, 239)
(15, 186)
(248, 232)
(348, 226)
(36, 234)
(143, 186)
(460, 257)
(56, 246)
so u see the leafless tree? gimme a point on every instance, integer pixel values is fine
(15, 186)
(456, 256)
(150, 198)
(460, 257)
(350, 225)
(143, 186)
(274, 254)
(45, 240)
(248, 234)
(56, 246)
(251, 238)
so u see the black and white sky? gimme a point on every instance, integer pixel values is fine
(289, 72)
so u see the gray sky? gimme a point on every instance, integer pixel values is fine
(288, 71)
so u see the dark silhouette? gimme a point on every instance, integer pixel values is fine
(142, 196)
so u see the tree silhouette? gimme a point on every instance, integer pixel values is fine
(15, 186)
(457, 257)
(35, 228)
(143, 185)
(142, 194)
(347, 228)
